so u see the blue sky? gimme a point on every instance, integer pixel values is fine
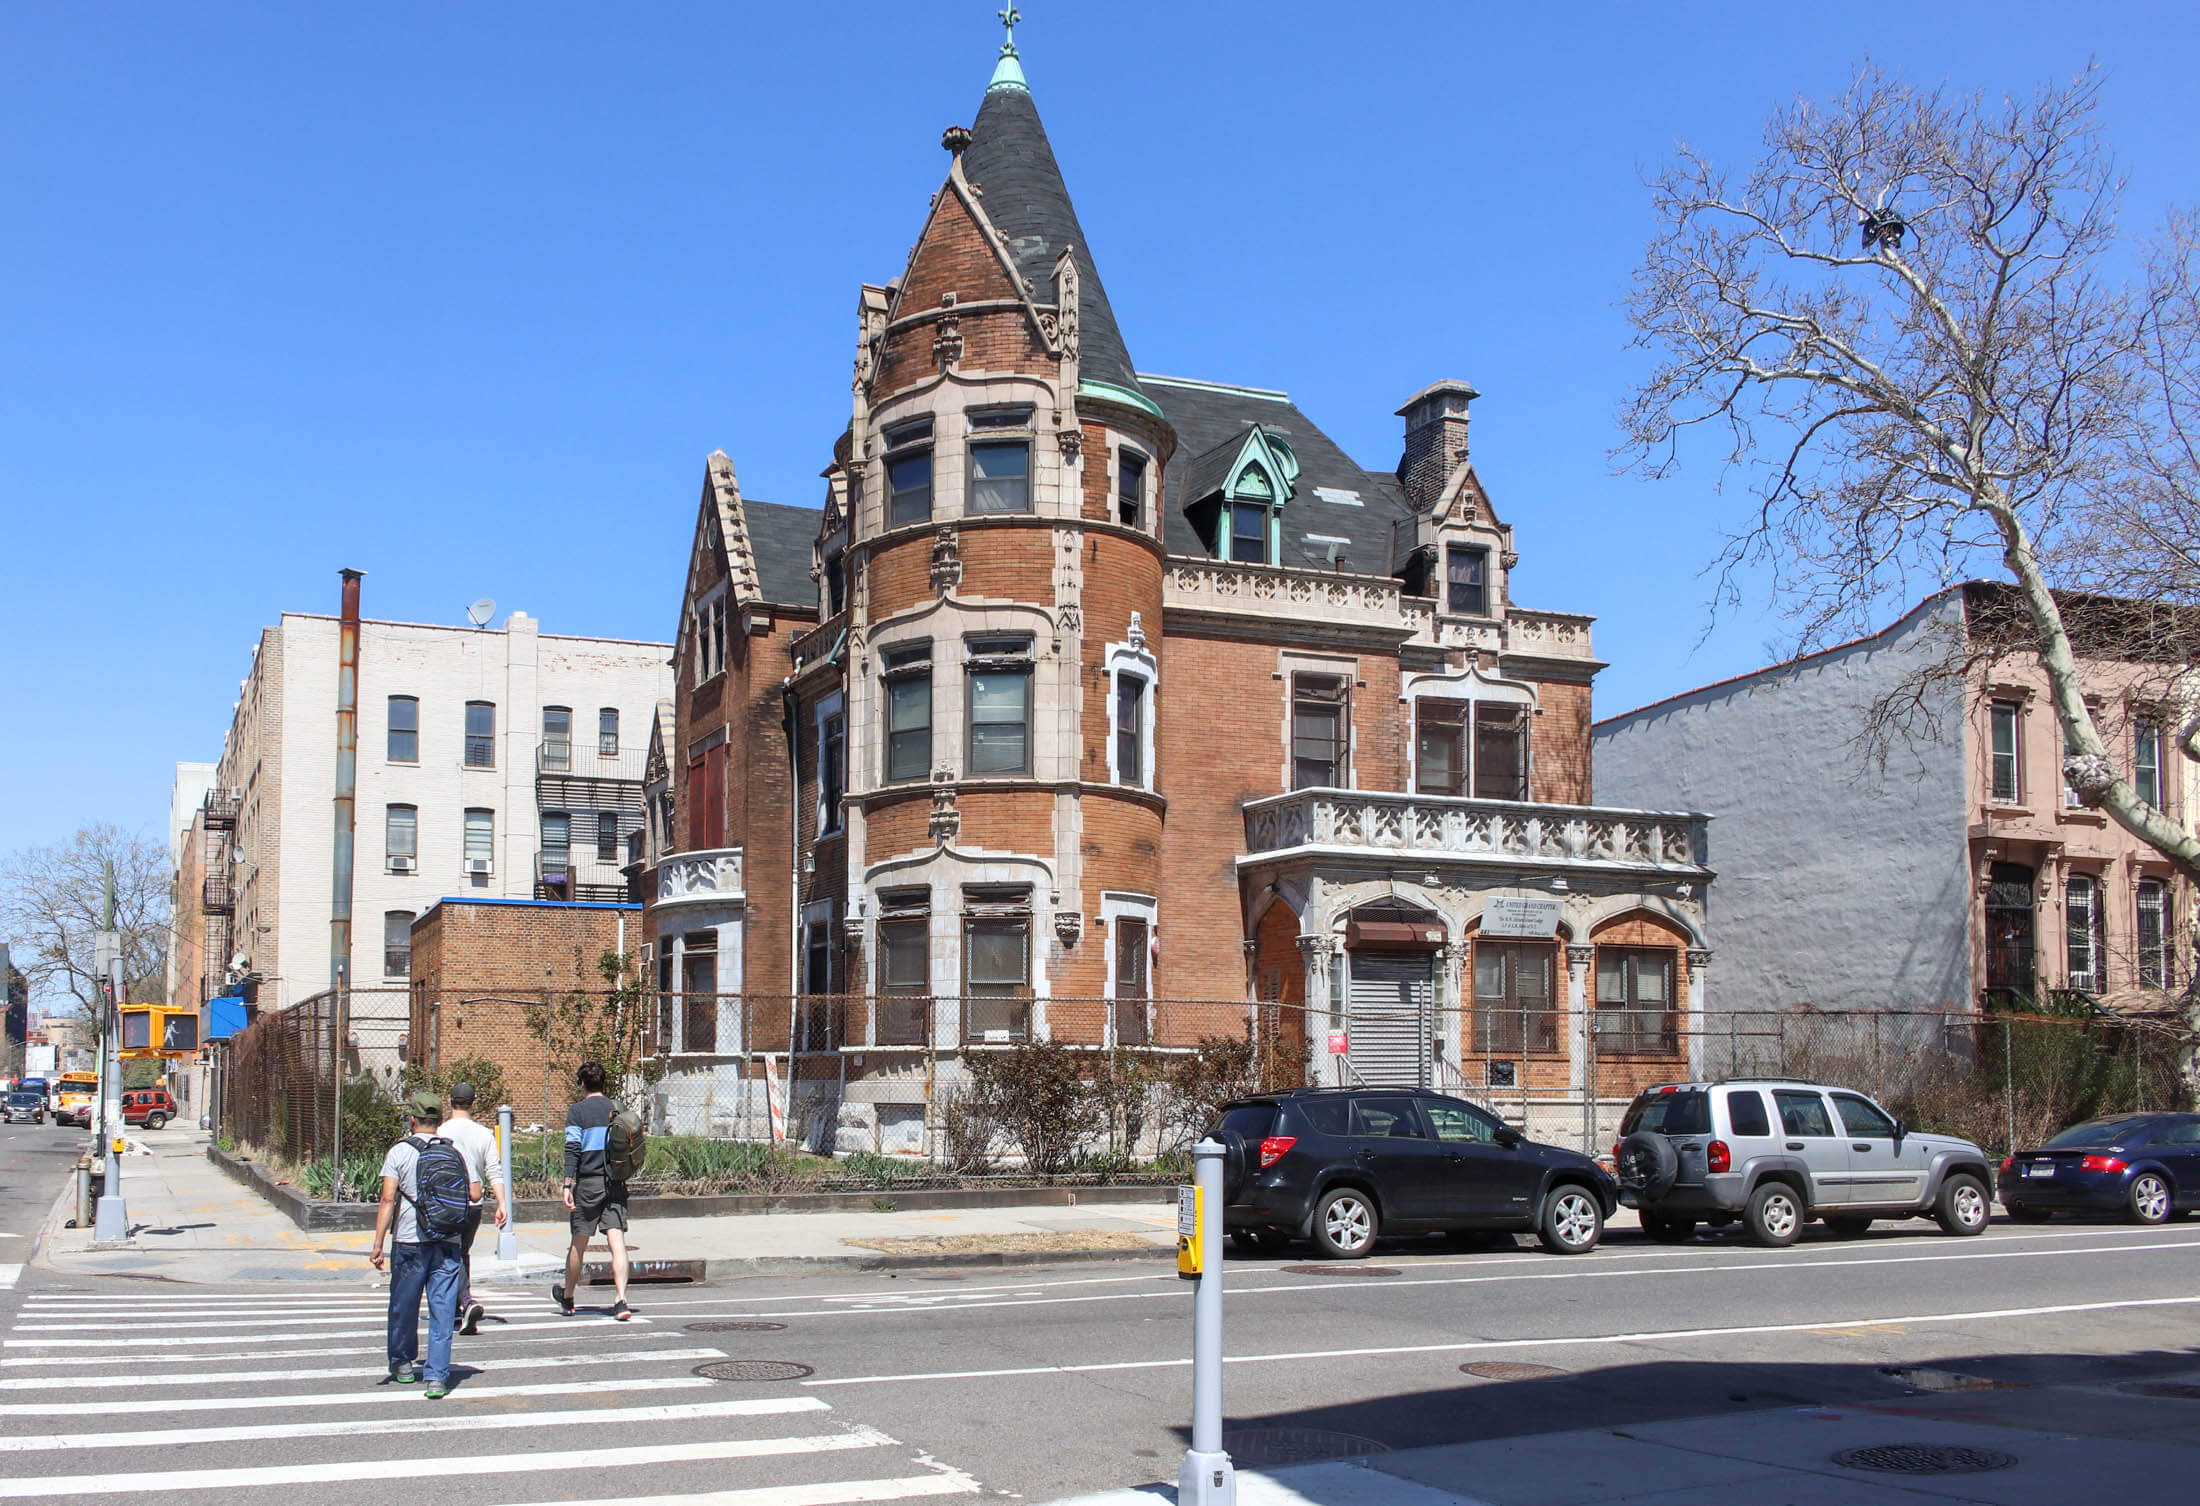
(463, 295)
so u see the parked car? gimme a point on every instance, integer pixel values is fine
(151, 1107)
(2145, 1166)
(1775, 1153)
(26, 1106)
(1341, 1166)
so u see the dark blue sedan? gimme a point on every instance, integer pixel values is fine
(2144, 1166)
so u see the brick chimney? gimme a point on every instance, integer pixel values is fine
(1436, 440)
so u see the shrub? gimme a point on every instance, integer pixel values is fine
(967, 1131)
(1042, 1096)
(486, 1075)
(1223, 1067)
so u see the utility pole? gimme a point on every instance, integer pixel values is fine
(1206, 1477)
(113, 1219)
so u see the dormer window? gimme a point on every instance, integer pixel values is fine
(1248, 533)
(1466, 581)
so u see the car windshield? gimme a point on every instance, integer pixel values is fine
(29, 1100)
(2096, 1132)
(1685, 1111)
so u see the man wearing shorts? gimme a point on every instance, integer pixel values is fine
(596, 1203)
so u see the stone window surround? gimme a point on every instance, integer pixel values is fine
(826, 708)
(703, 671)
(947, 624)
(730, 922)
(947, 400)
(1290, 664)
(1470, 686)
(1137, 661)
(1115, 905)
(944, 874)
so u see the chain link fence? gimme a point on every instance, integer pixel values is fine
(845, 1092)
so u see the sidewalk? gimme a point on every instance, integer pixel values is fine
(190, 1222)
(2062, 1444)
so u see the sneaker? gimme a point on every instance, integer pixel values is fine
(437, 1391)
(621, 1311)
(472, 1325)
(563, 1299)
(404, 1375)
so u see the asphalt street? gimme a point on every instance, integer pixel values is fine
(34, 1163)
(1033, 1383)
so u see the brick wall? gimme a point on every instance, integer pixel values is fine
(953, 257)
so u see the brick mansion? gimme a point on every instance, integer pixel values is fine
(1118, 709)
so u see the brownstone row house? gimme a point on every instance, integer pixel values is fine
(1098, 706)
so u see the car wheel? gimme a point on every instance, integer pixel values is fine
(2025, 1214)
(155, 1121)
(1849, 1228)
(1345, 1223)
(2150, 1200)
(1774, 1215)
(1963, 1207)
(1572, 1221)
(1243, 1242)
(1669, 1228)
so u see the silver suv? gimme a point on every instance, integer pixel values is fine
(1776, 1152)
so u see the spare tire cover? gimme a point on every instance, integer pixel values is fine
(1236, 1165)
(1648, 1164)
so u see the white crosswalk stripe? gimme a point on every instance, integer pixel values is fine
(310, 1406)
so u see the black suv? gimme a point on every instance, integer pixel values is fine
(1340, 1165)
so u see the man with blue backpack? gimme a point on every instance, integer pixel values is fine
(427, 1194)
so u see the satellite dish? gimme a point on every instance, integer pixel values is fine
(481, 611)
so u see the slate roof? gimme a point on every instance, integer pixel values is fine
(1010, 159)
(781, 537)
(1208, 418)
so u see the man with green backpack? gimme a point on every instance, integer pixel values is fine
(604, 1148)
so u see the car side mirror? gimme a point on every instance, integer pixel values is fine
(1900, 1129)
(1508, 1137)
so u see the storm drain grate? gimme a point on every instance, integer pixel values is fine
(730, 1325)
(1276, 1446)
(2174, 1390)
(1924, 1459)
(1511, 1370)
(754, 1370)
(1342, 1270)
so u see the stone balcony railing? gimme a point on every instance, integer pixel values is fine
(1548, 635)
(1219, 586)
(1428, 828)
(713, 876)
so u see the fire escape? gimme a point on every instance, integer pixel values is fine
(588, 799)
(217, 893)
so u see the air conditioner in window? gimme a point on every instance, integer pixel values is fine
(401, 865)
(479, 865)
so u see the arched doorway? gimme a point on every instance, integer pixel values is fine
(2009, 939)
(1393, 967)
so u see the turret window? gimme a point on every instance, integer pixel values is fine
(1000, 706)
(909, 712)
(1130, 488)
(1000, 477)
(909, 474)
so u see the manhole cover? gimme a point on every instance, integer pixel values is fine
(1274, 1446)
(1924, 1459)
(2176, 1390)
(1341, 1270)
(754, 1370)
(729, 1325)
(1511, 1370)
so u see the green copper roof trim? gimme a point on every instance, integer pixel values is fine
(1109, 392)
(1008, 74)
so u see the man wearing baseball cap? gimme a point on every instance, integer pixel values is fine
(478, 1144)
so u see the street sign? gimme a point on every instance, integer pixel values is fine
(1339, 1043)
(1519, 915)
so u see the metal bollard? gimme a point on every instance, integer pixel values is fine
(508, 1236)
(1207, 1478)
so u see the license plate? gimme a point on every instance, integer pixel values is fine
(2040, 1169)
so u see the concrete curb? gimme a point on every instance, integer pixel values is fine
(333, 1218)
(726, 1268)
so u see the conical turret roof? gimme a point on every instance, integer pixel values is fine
(1010, 160)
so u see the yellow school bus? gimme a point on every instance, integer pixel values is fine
(73, 1096)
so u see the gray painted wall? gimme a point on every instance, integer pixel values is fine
(1838, 884)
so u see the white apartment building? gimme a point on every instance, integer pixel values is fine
(492, 762)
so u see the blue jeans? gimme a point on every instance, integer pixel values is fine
(435, 1270)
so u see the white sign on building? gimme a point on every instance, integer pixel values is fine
(1515, 915)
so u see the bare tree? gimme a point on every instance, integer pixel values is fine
(52, 904)
(1908, 322)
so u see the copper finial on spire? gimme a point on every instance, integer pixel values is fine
(1009, 18)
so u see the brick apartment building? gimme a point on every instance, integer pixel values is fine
(1103, 707)
(1965, 868)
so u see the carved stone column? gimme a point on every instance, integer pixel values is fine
(1450, 1024)
(1318, 955)
(1580, 1027)
(1699, 963)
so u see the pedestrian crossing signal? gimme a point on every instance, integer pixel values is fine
(159, 1030)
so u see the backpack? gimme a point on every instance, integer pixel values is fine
(442, 1204)
(626, 1145)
